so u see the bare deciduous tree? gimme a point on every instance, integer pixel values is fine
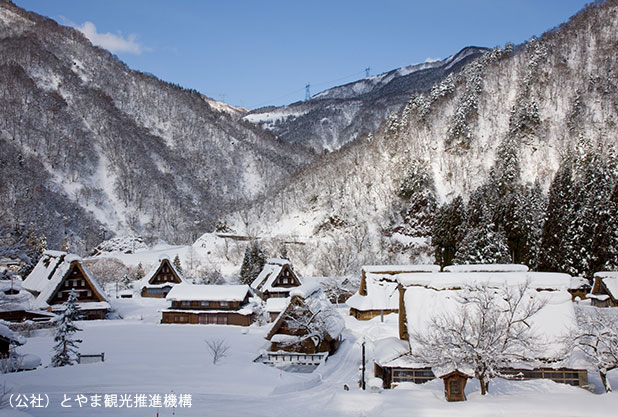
(218, 349)
(487, 331)
(597, 338)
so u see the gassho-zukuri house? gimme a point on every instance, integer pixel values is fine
(158, 282)
(377, 294)
(307, 331)
(53, 278)
(605, 289)
(210, 304)
(424, 296)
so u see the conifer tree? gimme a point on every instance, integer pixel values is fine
(447, 230)
(177, 264)
(483, 244)
(66, 345)
(252, 264)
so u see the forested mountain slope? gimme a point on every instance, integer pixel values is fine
(467, 172)
(91, 148)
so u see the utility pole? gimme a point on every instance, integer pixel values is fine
(367, 71)
(307, 91)
(363, 365)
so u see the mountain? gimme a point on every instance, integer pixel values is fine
(91, 148)
(478, 146)
(342, 114)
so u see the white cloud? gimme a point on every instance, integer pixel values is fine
(109, 41)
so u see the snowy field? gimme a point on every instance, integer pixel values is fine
(143, 357)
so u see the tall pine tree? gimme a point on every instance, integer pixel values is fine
(66, 345)
(252, 263)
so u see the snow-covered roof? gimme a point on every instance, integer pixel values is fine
(9, 335)
(390, 348)
(611, 283)
(316, 302)
(276, 305)
(486, 268)
(192, 292)
(145, 281)
(455, 280)
(20, 301)
(381, 295)
(272, 268)
(43, 271)
(550, 324)
(45, 279)
(398, 269)
(381, 285)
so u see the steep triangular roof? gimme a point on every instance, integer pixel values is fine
(312, 297)
(67, 264)
(150, 276)
(271, 271)
(43, 271)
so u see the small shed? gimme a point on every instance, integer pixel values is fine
(454, 385)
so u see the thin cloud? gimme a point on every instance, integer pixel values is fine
(111, 42)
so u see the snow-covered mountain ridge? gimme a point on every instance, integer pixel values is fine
(343, 114)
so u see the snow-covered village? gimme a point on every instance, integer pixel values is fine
(424, 237)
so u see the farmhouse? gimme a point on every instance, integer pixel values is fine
(605, 289)
(425, 296)
(276, 279)
(377, 294)
(53, 278)
(158, 282)
(210, 304)
(308, 329)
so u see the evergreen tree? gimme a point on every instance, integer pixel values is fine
(558, 209)
(483, 244)
(605, 241)
(66, 346)
(252, 264)
(418, 200)
(177, 264)
(447, 230)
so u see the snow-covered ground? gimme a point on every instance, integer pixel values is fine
(144, 357)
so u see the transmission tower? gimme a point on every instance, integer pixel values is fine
(367, 71)
(307, 91)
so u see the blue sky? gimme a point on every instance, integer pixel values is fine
(257, 53)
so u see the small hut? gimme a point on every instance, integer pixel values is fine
(454, 384)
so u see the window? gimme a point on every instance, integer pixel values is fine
(204, 303)
(223, 303)
(83, 283)
(59, 295)
(454, 387)
(89, 293)
(185, 303)
(67, 283)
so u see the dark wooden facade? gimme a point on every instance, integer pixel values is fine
(77, 280)
(164, 278)
(454, 385)
(393, 376)
(285, 280)
(19, 316)
(207, 312)
(369, 314)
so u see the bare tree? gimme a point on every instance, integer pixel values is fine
(218, 349)
(597, 338)
(487, 331)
